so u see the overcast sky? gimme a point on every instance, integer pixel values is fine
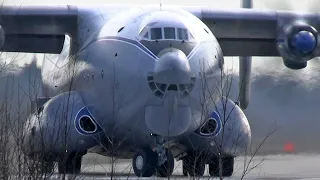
(297, 5)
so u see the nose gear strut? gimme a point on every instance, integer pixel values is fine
(160, 149)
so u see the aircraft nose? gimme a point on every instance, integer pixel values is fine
(172, 77)
(172, 67)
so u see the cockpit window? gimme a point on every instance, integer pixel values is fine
(169, 33)
(156, 33)
(166, 33)
(146, 36)
(182, 34)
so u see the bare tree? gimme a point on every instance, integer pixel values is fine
(22, 98)
(233, 135)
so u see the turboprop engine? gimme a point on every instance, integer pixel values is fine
(62, 124)
(297, 43)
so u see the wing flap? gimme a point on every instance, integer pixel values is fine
(248, 47)
(37, 28)
(243, 32)
(240, 23)
(30, 43)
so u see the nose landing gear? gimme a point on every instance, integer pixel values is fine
(166, 169)
(147, 162)
(144, 162)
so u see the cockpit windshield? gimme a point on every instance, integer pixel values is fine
(169, 33)
(182, 34)
(166, 33)
(156, 33)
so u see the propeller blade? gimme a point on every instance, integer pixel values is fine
(313, 6)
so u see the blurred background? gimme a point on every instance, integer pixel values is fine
(280, 98)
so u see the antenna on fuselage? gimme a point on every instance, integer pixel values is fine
(246, 4)
(160, 5)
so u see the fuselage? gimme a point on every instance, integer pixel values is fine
(145, 70)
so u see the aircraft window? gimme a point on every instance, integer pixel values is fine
(169, 33)
(159, 89)
(182, 34)
(173, 87)
(146, 35)
(156, 33)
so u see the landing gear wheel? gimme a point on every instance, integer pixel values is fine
(227, 167)
(166, 169)
(42, 164)
(184, 167)
(198, 169)
(70, 165)
(144, 163)
(194, 166)
(47, 167)
(214, 168)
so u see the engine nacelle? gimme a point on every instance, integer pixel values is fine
(63, 124)
(226, 127)
(298, 43)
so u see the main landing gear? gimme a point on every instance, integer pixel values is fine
(196, 166)
(70, 164)
(227, 166)
(147, 162)
(193, 165)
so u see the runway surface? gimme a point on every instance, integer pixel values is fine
(277, 167)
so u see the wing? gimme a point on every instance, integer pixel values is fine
(37, 29)
(243, 32)
(252, 32)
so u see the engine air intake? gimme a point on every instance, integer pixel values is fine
(86, 124)
(209, 127)
(159, 89)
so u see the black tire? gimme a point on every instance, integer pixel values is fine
(42, 164)
(227, 165)
(166, 169)
(194, 166)
(214, 169)
(147, 163)
(42, 167)
(47, 167)
(198, 169)
(184, 167)
(70, 165)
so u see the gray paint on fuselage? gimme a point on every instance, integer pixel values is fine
(156, 46)
(126, 40)
(122, 93)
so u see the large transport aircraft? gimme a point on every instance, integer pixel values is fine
(145, 82)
